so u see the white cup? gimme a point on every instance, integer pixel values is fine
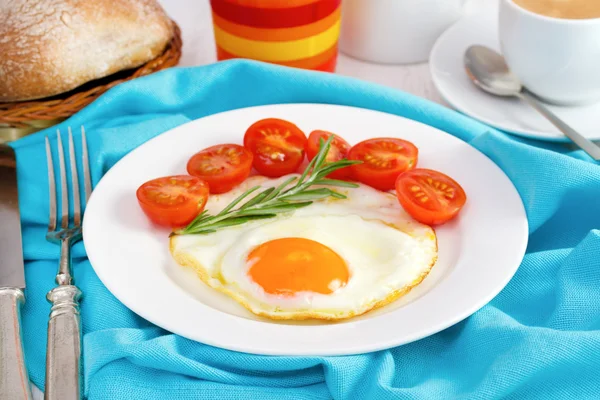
(395, 31)
(557, 59)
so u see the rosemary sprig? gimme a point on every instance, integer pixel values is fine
(281, 199)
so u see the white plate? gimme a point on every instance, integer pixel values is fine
(510, 115)
(478, 252)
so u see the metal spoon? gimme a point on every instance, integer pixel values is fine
(488, 71)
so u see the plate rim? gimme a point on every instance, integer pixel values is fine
(545, 136)
(376, 346)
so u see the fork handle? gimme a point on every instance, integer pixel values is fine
(14, 381)
(63, 365)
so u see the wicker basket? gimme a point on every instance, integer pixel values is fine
(21, 118)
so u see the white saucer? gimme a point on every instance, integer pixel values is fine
(507, 114)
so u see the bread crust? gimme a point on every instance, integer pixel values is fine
(50, 47)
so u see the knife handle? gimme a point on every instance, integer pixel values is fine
(14, 380)
(63, 365)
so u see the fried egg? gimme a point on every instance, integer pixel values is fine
(335, 259)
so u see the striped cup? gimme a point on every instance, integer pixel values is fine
(294, 33)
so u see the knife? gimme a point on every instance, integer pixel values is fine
(14, 380)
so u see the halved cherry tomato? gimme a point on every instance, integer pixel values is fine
(173, 201)
(429, 196)
(277, 146)
(337, 151)
(383, 159)
(223, 166)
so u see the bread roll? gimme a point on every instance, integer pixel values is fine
(48, 47)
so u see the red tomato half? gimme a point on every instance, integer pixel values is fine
(383, 160)
(429, 196)
(337, 151)
(223, 166)
(173, 201)
(277, 146)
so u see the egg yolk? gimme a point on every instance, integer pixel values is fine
(290, 265)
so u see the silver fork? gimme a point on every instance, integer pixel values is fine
(63, 351)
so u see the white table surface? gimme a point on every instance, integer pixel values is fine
(193, 17)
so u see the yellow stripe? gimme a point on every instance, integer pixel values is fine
(277, 51)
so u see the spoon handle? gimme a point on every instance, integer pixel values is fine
(585, 144)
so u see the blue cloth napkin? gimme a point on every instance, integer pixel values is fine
(538, 339)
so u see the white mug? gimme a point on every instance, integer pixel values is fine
(557, 59)
(395, 31)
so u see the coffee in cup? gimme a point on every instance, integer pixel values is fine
(553, 47)
(566, 9)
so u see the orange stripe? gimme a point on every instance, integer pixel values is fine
(277, 34)
(306, 63)
(272, 3)
(328, 66)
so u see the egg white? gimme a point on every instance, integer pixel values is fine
(386, 252)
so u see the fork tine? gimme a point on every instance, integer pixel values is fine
(87, 180)
(75, 182)
(63, 184)
(51, 189)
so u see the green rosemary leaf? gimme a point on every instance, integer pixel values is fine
(284, 207)
(199, 217)
(336, 183)
(323, 150)
(338, 195)
(279, 188)
(329, 168)
(308, 168)
(257, 199)
(198, 220)
(238, 200)
(308, 195)
(200, 232)
(237, 221)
